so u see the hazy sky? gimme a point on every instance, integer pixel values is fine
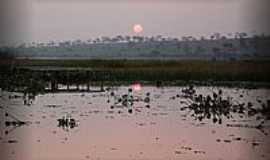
(45, 20)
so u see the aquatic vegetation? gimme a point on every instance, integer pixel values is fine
(128, 100)
(14, 123)
(155, 114)
(53, 106)
(216, 107)
(244, 73)
(67, 122)
(211, 107)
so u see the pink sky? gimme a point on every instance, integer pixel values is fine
(45, 20)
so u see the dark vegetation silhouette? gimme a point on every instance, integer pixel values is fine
(217, 47)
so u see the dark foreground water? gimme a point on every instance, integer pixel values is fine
(158, 129)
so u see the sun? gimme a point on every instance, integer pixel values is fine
(137, 28)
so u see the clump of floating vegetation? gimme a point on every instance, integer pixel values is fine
(216, 107)
(128, 100)
(67, 122)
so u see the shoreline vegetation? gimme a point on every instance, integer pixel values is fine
(240, 73)
(163, 70)
(233, 60)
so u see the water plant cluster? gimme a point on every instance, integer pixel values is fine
(216, 107)
(128, 100)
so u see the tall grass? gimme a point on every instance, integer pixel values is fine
(167, 70)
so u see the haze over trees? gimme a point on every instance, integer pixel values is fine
(216, 46)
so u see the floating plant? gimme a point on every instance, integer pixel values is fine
(216, 107)
(67, 122)
(128, 100)
(11, 125)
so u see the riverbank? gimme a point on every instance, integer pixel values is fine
(240, 74)
(167, 70)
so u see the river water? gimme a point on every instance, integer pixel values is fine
(159, 131)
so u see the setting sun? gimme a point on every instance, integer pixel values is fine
(137, 28)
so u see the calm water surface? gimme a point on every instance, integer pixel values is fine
(161, 132)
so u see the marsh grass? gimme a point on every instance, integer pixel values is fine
(167, 70)
(249, 73)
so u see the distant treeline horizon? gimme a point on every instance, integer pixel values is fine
(217, 46)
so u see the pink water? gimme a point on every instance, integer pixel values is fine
(161, 132)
